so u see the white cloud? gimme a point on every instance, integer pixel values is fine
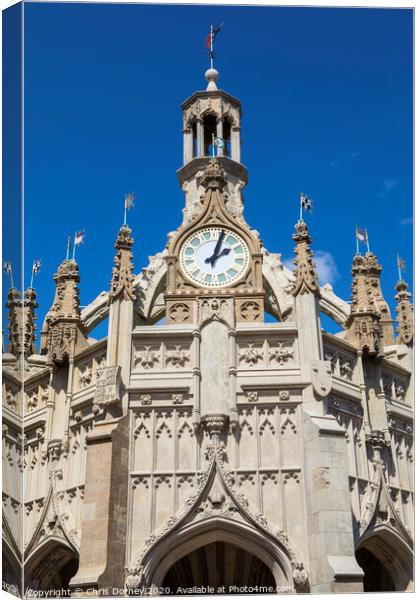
(339, 160)
(390, 183)
(407, 221)
(325, 266)
(288, 262)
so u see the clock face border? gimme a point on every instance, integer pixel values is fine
(183, 257)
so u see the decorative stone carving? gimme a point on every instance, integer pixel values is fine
(405, 322)
(251, 355)
(252, 396)
(107, 386)
(215, 308)
(321, 377)
(284, 395)
(214, 176)
(180, 312)
(250, 310)
(346, 370)
(147, 358)
(178, 357)
(11, 398)
(31, 400)
(300, 577)
(145, 399)
(177, 398)
(291, 476)
(215, 425)
(394, 387)
(281, 354)
(85, 376)
(377, 439)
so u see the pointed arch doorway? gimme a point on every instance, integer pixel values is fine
(222, 567)
(218, 551)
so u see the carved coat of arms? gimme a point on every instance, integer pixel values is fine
(321, 373)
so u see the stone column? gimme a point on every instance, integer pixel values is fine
(235, 143)
(200, 138)
(188, 145)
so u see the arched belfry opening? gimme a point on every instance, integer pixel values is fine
(226, 131)
(222, 567)
(210, 130)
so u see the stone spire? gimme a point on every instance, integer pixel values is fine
(64, 326)
(305, 272)
(405, 324)
(122, 276)
(364, 326)
(15, 336)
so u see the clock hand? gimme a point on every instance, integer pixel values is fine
(224, 252)
(212, 259)
(219, 243)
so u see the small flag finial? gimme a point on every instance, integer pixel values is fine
(36, 267)
(128, 203)
(209, 42)
(361, 236)
(79, 238)
(306, 204)
(401, 267)
(7, 266)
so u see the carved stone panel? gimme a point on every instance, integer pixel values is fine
(249, 310)
(107, 385)
(179, 312)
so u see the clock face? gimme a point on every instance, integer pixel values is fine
(214, 257)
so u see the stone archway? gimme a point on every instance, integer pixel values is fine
(11, 570)
(220, 568)
(267, 559)
(387, 561)
(51, 566)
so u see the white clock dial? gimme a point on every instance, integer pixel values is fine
(214, 257)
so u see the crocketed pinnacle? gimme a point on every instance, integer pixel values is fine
(122, 273)
(29, 318)
(364, 327)
(373, 288)
(63, 330)
(15, 336)
(66, 302)
(405, 324)
(22, 319)
(305, 272)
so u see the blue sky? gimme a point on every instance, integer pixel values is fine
(327, 109)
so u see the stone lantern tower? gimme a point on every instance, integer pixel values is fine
(210, 114)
